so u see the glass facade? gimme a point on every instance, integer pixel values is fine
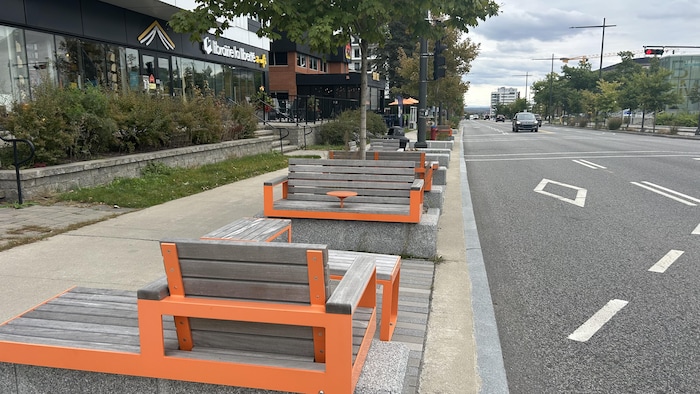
(685, 75)
(30, 58)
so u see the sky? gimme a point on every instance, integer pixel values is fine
(539, 29)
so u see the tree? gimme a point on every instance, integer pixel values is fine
(653, 89)
(326, 25)
(387, 56)
(448, 92)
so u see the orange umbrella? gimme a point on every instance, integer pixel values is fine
(406, 101)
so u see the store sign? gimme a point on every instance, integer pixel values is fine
(210, 47)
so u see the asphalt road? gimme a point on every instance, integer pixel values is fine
(591, 242)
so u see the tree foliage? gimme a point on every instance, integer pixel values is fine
(326, 25)
(628, 86)
(448, 92)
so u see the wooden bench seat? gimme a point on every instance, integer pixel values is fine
(253, 230)
(259, 315)
(424, 168)
(384, 144)
(387, 191)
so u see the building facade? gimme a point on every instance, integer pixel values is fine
(504, 96)
(123, 45)
(685, 75)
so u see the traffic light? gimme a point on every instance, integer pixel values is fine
(438, 61)
(653, 51)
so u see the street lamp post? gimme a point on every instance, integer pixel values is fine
(422, 94)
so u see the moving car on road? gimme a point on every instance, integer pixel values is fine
(525, 121)
(500, 118)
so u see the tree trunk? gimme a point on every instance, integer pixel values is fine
(364, 97)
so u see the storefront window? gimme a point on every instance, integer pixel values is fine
(177, 76)
(40, 57)
(68, 62)
(115, 72)
(164, 75)
(14, 77)
(94, 67)
(132, 68)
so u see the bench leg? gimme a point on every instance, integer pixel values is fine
(390, 306)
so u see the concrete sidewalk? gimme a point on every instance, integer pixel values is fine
(111, 247)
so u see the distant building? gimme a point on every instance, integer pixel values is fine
(504, 96)
(685, 75)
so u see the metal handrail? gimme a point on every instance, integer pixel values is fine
(17, 163)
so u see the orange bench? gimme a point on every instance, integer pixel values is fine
(387, 191)
(259, 315)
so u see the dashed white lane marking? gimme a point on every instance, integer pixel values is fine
(589, 164)
(662, 265)
(696, 231)
(684, 199)
(580, 199)
(597, 321)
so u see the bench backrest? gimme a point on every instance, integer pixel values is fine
(417, 157)
(261, 272)
(380, 182)
(385, 144)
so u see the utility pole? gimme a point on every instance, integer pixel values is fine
(602, 42)
(526, 75)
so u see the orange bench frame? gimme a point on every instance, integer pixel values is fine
(340, 374)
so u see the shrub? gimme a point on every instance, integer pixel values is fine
(63, 124)
(614, 123)
(72, 124)
(347, 127)
(582, 122)
(682, 119)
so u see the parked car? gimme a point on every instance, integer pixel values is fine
(525, 121)
(500, 118)
(539, 119)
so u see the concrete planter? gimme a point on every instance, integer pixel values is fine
(41, 181)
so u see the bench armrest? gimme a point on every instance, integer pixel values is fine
(276, 181)
(156, 290)
(417, 184)
(351, 288)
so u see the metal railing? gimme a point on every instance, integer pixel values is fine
(17, 162)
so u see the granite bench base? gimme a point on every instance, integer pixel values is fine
(434, 198)
(407, 239)
(384, 372)
(440, 176)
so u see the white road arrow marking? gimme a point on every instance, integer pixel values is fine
(597, 321)
(696, 231)
(580, 199)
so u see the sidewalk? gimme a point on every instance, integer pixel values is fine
(111, 247)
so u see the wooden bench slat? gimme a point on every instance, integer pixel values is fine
(290, 273)
(258, 252)
(287, 292)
